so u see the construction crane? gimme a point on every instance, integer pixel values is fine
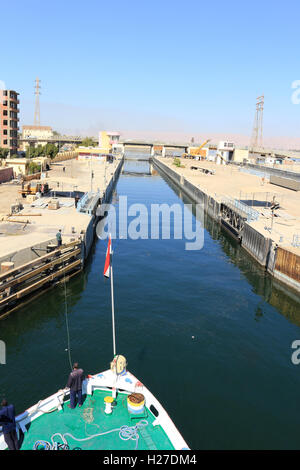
(196, 151)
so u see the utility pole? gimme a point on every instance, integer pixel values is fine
(37, 119)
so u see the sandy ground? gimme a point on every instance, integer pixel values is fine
(9, 194)
(231, 182)
(77, 175)
(39, 223)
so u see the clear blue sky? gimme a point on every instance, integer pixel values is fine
(183, 66)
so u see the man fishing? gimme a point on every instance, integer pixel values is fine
(75, 380)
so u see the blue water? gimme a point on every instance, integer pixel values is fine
(208, 332)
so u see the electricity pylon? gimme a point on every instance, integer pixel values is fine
(257, 133)
(37, 121)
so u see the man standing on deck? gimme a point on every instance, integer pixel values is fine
(75, 385)
(8, 423)
(58, 238)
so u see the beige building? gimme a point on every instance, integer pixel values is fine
(240, 155)
(19, 165)
(36, 133)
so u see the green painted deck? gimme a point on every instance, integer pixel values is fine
(89, 420)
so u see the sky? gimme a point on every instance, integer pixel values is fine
(159, 68)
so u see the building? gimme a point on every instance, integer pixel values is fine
(19, 165)
(9, 120)
(224, 152)
(35, 135)
(241, 155)
(260, 157)
(92, 153)
(108, 140)
(269, 159)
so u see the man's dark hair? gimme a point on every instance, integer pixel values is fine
(4, 402)
(75, 365)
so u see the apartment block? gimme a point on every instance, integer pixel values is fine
(9, 120)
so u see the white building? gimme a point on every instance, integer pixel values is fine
(224, 152)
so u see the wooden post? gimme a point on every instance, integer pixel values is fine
(7, 266)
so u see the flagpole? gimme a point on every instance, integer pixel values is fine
(112, 303)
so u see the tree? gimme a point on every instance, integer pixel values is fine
(88, 142)
(50, 150)
(3, 152)
(37, 151)
(33, 168)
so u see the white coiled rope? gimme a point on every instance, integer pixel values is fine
(126, 433)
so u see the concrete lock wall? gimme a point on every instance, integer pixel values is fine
(256, 244)
(195, 193)
(275, 171)
(285, 182)
(113, 181)
(89, 235)
(213, 208)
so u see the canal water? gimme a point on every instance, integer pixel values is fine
(207, 331)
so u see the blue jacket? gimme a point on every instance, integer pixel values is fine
(7, 418)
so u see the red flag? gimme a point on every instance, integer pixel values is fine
(106, 271)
